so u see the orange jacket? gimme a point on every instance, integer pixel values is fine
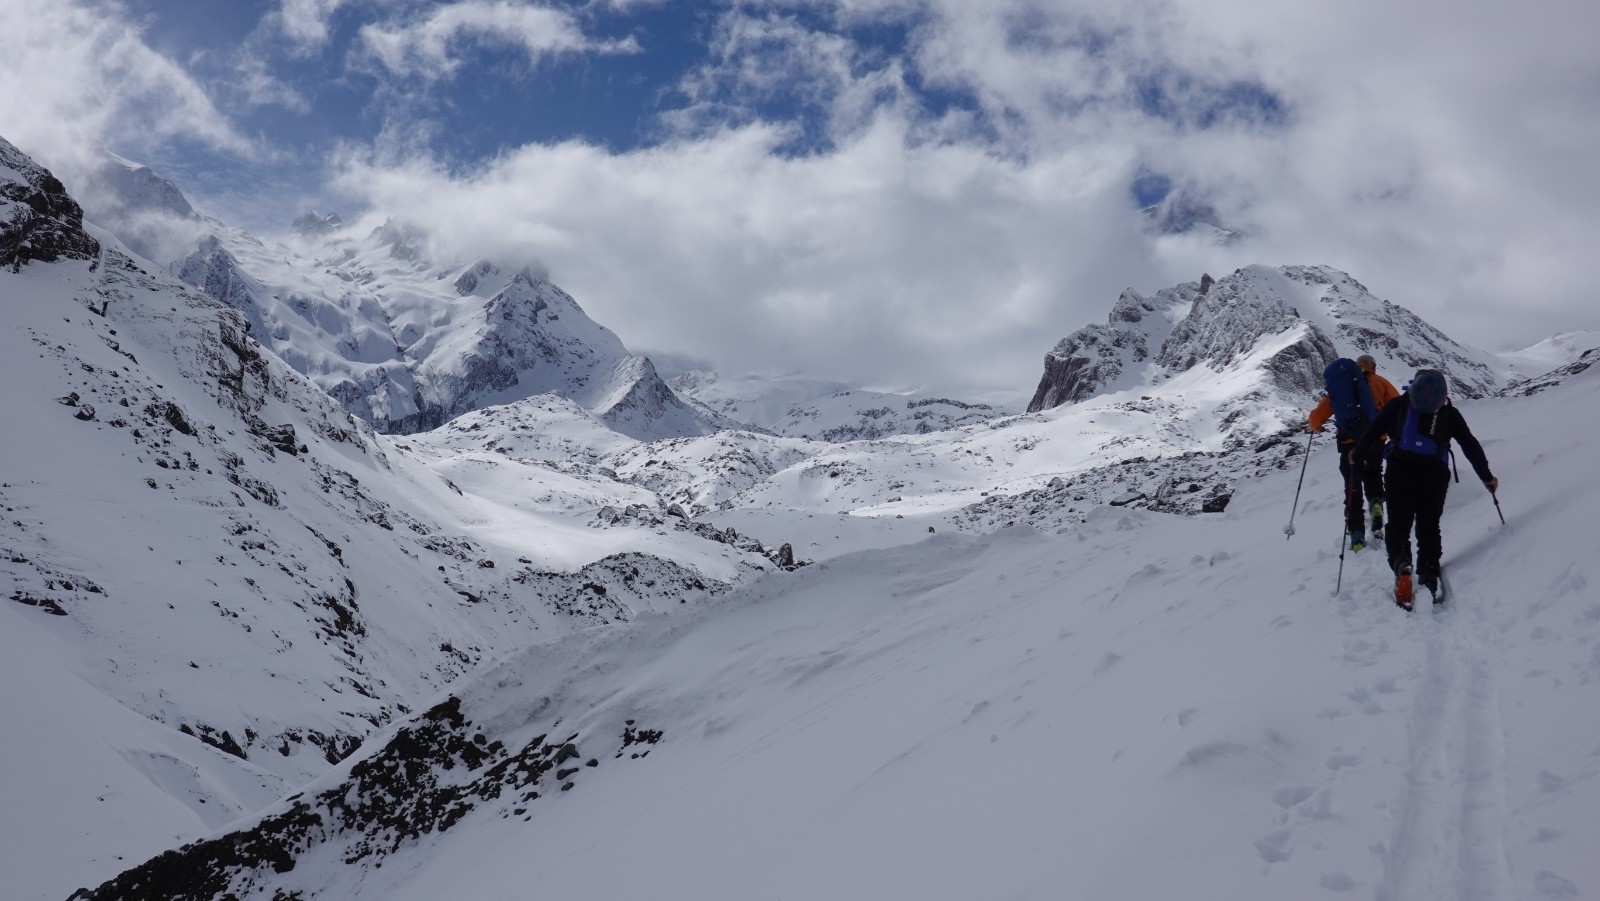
(1382, 393)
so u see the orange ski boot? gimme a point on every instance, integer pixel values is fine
(1402, 588)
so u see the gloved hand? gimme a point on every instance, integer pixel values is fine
(1492, 484)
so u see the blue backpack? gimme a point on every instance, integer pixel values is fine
(1353, 406)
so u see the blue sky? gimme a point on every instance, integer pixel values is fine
(654, 72)
(898, 192)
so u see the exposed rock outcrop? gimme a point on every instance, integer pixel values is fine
(38, 220)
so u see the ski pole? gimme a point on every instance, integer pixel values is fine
(1340, 581)
(1288, 530)
(1497, 510)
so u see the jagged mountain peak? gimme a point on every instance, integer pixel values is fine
(312, 224)
(1269, 331)
(406, 345)
(136, 187)
(403, 240)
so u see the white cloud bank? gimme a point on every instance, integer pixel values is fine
(436, 44)
(77, 76)
(880, 261)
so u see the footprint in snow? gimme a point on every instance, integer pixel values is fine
(1341, 761)
(1274, 846)
(1337, 882)
(1292, 795)
(1552, 886)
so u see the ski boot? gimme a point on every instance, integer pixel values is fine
(1403, 592)
(1429, 579)
(1357, 542)
(1377, 518)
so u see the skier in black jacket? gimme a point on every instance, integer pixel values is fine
(1420, 423)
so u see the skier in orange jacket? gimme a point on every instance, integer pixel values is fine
(1368, 471)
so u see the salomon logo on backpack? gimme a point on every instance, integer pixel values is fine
(1353, 407)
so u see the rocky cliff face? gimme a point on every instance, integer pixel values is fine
(38, 220)
(1283, 324)
(1098, 358)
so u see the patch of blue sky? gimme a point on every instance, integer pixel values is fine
(1189, 102)
(1149, 188)
(805, 100)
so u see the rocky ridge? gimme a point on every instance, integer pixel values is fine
(38, 220)
(1315, 313)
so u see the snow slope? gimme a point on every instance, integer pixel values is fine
(1551, 353)
(1149, 706)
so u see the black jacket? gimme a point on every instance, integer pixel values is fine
(1442, 426)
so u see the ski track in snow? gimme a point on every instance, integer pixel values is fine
(1449, 839)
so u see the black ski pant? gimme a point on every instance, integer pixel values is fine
(1416, 496)
(1362, 476)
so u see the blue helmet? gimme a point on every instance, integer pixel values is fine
(1428, 390)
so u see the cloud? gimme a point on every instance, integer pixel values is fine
(882, 261)
(963, 198)
(79, 75)
(828, 85)
(305, 23)
(431, 46)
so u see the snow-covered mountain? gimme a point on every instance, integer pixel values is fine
(254, 648)
(1307, 315)
(1553, 352)
(1017, 715)
(404, 343)
(800, 407)
(198, 537)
